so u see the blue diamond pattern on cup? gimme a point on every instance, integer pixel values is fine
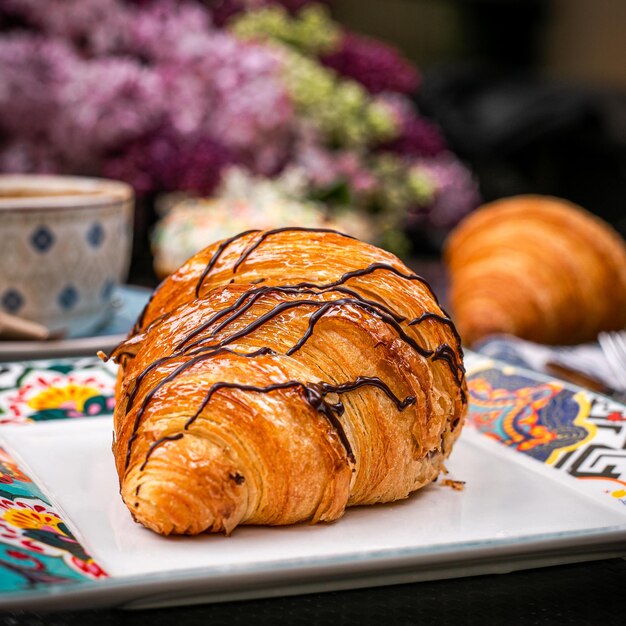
(12, 300)
(95, 235)
(42, 239)
(68, 297)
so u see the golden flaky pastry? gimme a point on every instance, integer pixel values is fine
(280, 376)
(536, 267)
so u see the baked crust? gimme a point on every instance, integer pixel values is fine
(536, 267)
(248, 397)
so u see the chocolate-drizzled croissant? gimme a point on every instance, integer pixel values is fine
(280, 376)
(537, 267)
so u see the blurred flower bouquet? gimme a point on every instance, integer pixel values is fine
(171, 95)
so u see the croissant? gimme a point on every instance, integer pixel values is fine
(536, 267)
(280, 376)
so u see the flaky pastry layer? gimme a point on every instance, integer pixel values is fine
(280, 377)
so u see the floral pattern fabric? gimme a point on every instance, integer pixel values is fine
(47, 390)
(37, 548)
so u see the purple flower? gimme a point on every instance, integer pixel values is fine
(418, 136)
(233, 91)
(164, 30)
(325, 168)
(152, 92)
(223, 10)
(452, 187)
(105, 104)
(22, 156)
(377, 66)
(253, 113)
(165, 161)
(32, 72)
(92, 26)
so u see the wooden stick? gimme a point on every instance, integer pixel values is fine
(13, 327)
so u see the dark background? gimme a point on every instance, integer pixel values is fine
(532, 93)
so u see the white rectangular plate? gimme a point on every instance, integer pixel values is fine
(510, 515)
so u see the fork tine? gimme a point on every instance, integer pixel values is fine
(620, 339)
(607, 349)
(612, 356)
(615, 353)
(619, 345)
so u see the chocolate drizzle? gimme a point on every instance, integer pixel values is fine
(193, 347)
(300, 287)
(216, 255)
(199, 351)
(154, 446)
(204, 351)
(303, 286)
(171, 376)
(244, 255)
(388, 268)
(315, 394)
(443, 352)
(254, 294)
(443, 320)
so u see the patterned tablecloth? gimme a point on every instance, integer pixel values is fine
(578, 435)
(36, 546)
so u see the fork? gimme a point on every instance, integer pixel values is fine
(613, 346)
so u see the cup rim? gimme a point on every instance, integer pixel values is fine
(92, 192)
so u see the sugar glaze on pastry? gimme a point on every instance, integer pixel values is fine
(280, 376)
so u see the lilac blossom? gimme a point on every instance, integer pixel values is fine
(158, 93)
(93, 26)
(32, 70)
(377, 66)
(24, 155)
(107, 103)
(166, 161)
(418, 137)
(325, 168)
(166, 30)
(223, 10)
(234, 92)
(454, 191)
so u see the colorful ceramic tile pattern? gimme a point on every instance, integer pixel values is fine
(576, 432)
(34, 391)
(36, 546)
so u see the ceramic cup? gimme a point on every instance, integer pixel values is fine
(64, 246)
